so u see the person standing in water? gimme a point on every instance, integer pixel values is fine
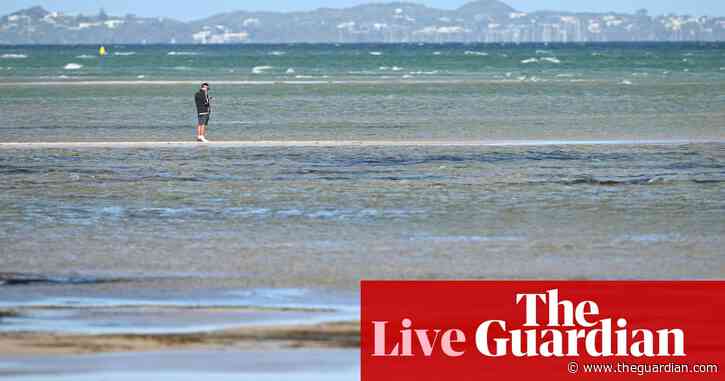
(203, 108)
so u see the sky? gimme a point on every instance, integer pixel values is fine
(190, 10)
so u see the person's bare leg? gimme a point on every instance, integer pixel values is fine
(199, 131)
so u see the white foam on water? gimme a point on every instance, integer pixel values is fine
(277, 53)
(261, 69)
(85, 57)
(140, 76)
(475, 53)
(420, 72)
(73, 66)
(182, 68)
(551, 59)
(539, 60)
(407, 76)
(437, 53)
(182, 53)
(14, 56)
(542, 52)
(290, 71)
(123, 54)
(376, 53)
(626, 82)
(308, 80)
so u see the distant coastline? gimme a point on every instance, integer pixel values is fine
(482, 21)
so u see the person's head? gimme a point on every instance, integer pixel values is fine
(205, 86)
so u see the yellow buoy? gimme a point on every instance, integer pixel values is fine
(102, 51)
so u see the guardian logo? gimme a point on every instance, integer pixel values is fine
(469, 330)
(553, 338)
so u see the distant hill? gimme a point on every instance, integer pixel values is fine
(477, 21)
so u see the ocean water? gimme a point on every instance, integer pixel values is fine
(366, 92)
(325, 217)
(620, 177)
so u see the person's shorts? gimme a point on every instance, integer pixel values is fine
(204, 119)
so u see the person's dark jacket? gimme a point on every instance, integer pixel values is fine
(202, 102)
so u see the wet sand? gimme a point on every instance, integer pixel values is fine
(328, 335)
(348, 143)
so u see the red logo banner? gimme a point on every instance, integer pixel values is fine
(542, 330)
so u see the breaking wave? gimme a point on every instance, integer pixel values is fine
(261, 69)
(551, 59)
(542, 59)
(182, 53)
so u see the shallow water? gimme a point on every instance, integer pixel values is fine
(149, 311)
(110, 224)
(594, 92)
(317, 217)
(318, 365)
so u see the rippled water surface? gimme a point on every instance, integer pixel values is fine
(316, 216)
(600, 92)
(329, 216)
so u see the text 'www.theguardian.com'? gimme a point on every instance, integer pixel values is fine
(641, 369)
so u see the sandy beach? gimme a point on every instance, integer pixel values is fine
(332, 335)
(349, 143)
